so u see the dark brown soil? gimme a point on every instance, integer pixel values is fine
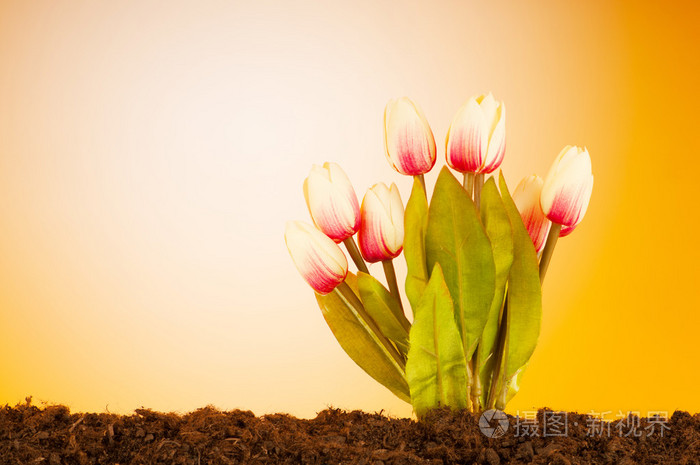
(52, 435)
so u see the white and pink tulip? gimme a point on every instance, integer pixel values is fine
(381, 231)
(527, 198)
(567, 188)
(476, 140)
(408, 139)
(319, 260)
(332, 201)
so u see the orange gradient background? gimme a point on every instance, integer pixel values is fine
(151, 152)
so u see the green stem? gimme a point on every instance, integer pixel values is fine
(476, 382)
(500, 354)
(355, 254)
(552, 239)
(500, 403)
(478, 184)
(390, 273)
(469, 183)
(351, 300)
(421, 178)
(469, 388)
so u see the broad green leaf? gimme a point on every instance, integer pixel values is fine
(415, 226)
(385, 310)
(524, 294)
(360, 342)
(457, 241)
(436, 369)
(497, 224)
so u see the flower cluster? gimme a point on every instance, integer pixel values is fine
(475, 145)
(476, 258)
(337, 215)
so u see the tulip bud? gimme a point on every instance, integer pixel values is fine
(476, 140)
(332, 201)
(527, 198)
(319, 260)
(408, 139)
(381, 230)
(567, 187)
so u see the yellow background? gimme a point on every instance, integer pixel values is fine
(151, 152)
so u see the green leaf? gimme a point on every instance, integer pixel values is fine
(436, 368)
(513, 385)
(361, 343)
(457, 241)
(498, 227)
(415, 226)
(524, 294)
(385, 310)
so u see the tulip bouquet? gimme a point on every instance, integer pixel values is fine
(476, 258)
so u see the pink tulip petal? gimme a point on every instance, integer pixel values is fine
(464, 150)
(319, 261)
(320, 275)
(568, 186)
(537, 227)
(527, 199)
(381, 231)
(332, 202)
(467, 147)
(566, 230)
(566, 207)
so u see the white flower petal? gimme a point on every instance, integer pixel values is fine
(497, 143)
(568, 186)
(527, 199)
(381, 231)
(332, 201)
(317, 258)
(467, 141)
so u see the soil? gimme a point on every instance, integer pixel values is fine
(51, 435)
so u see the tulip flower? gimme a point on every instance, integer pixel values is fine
(333, 206)
(319, 260)
(332, 201)
(565, 196)
(527, 198)
(567, 188)
(381, 230)
(476, 140)
(408, 139)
